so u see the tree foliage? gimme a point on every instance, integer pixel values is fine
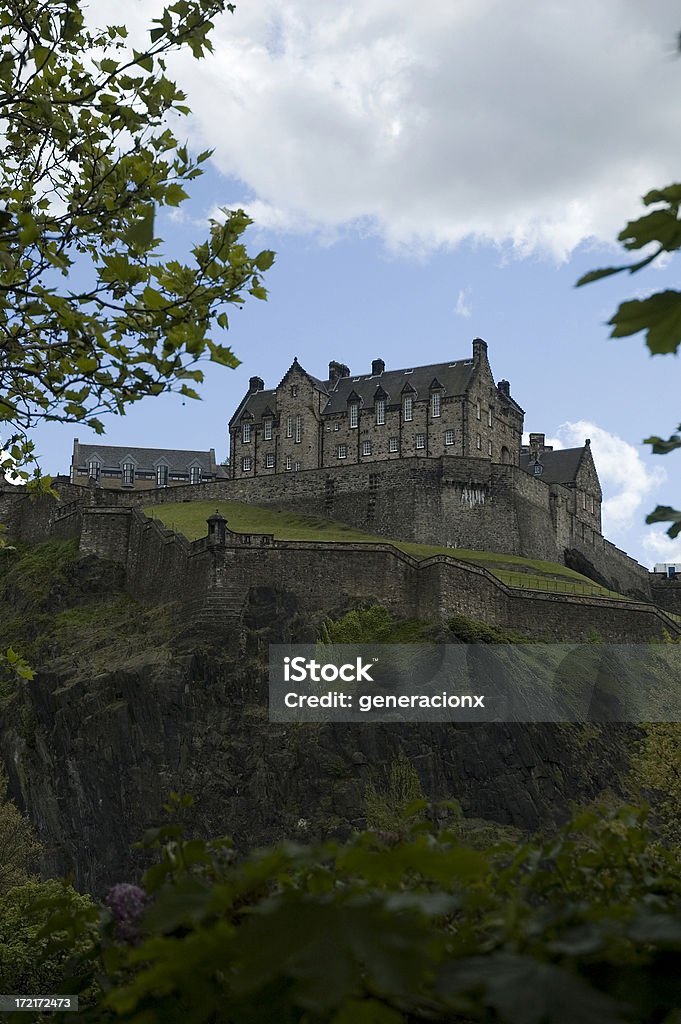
(92, 316)
(658, 315)
(19, 845)
(584, 926)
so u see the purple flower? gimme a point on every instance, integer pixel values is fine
(127, 903)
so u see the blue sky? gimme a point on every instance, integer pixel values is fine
(427, 176)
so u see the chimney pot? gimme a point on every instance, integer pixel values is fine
(377, 367)
(256, 384)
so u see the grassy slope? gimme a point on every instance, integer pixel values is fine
(189, 518)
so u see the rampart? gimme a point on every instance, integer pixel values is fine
(452, 502)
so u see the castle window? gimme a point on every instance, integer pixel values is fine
(366, 448)
(489, 448)
(289, 426)
(294, 391)
(394, 444)
(246, 464)
(336, 426)
(268, 430)
(449, 437)
(435, 404)
(161, 476)
(246, 433)
(489, 417)
(408, 408)
(297, 467)
(289, 462)
(478, 442)
(380, 411)
(342, 451)
(269, 460)
(420, 440)
(584, 497)
(93, 470)
(194, 474)
(354, 414)
(128, 474)
(477, 411)
(298, 430)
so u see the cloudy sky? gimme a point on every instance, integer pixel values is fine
(429, 173)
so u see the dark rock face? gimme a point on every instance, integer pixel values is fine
(93, 757)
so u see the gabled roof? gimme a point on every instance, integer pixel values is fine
(319, 385)
(560, 467)
(257, 403)
(454, 377)
(112, 457)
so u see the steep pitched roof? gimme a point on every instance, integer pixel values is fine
(559, 467)
(453, 377)
(112, 457)
(255, 402)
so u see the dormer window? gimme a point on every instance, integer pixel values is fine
(435, 404)
(128, 474)
(354, 414)
(408, 408)
(268, 430)
(246, 432)
(194, 474)
(161, 476)
(380, 411)
(94, 470)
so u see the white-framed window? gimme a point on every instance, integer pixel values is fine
(246, 432)
(299, 429)
(477, 410)
(420, 440)
(296, 468)
(489, 448)
(584, 496)
(289, 426)
(268, 430)
(269, 460)
(342, 451)
(128, 474)
(336, 426)
(161, 476)
(94, 470)
(449, 437)
(289, 462)
(246, 464)
(408, 408)
(489, 417)
(354, 414)
(194, 474)
(435, 404)
(380, 412)
(478, 442)
(394, 445)
(366, 447)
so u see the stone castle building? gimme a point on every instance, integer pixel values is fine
(116, 467)
(452, 408)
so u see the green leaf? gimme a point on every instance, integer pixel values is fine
(140, 234)
(264, 259)
(174, 194)
(661, 447)
(596, 275)
(144, 61)
(664, 514)
(659, 315)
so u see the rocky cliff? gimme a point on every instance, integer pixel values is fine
(128, 706)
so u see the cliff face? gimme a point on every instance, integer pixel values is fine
(126, 708)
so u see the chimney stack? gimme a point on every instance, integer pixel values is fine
(337, 371)
(377, 367)
(504, 388)
(479, 349)
(256, 384)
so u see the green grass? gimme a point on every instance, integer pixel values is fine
(189, 518)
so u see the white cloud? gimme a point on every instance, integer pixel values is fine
(434, 122)
(660, 547)
(626, 480)
(463, 305)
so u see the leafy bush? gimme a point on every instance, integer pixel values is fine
(584, 927)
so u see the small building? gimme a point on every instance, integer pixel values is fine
(121, 468)
(571, 475)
